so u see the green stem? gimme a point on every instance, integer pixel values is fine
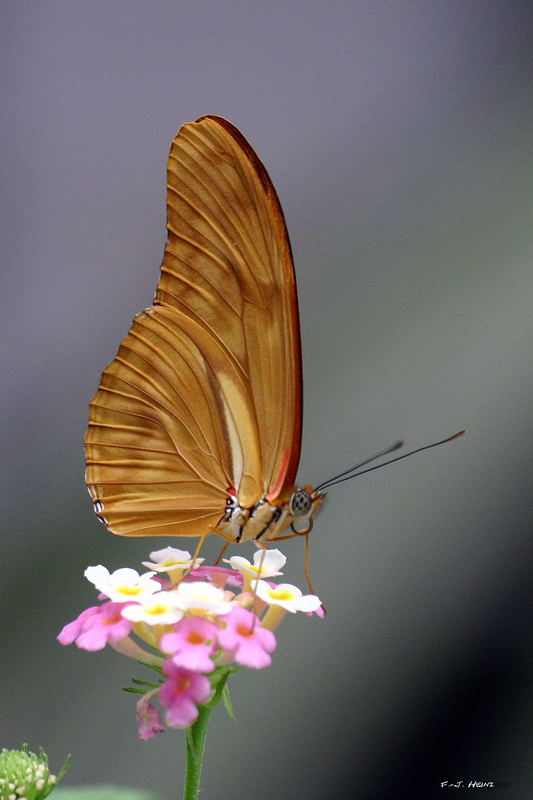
(195, 737)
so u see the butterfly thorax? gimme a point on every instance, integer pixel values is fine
(266, 520)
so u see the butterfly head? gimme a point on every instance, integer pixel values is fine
(303, 505)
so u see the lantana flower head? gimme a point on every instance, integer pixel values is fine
(192, 630)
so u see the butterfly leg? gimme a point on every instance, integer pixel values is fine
(193, 559)
(222, 551)
(287, 536)
(223, 534)
(257, 602)
(307, 572)
(307, 560)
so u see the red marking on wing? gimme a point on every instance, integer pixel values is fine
(280, 480)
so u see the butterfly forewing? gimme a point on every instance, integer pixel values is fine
(205, 392)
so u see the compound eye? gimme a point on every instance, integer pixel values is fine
(301, 503)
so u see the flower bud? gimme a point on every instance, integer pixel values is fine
(25, 775)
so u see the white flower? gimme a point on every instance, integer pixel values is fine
(201, 596)
(170, 559)
(157, 609)
(266, 564)
(123, 584)
(287, 596)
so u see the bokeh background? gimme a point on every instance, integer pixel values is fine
(398, 135)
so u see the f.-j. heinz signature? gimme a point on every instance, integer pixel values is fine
(467, 785)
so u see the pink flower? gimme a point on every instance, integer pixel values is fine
(192, 644)
(220, 576)
(320, 612)
(96, 626)
(72, 630)
(180, 694)
(244, 637)
(148, 719)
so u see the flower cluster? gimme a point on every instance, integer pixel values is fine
(26, 776)
(200, 624)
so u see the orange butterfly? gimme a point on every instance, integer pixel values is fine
(196, 425)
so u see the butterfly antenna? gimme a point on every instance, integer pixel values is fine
(340, 479)
(381, 453)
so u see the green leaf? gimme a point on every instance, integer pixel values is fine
(141, 683)
(155, 667)
(63, 769)
(145, 683)
(227, 702)
(218, 681)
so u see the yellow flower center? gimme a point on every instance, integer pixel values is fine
(129, 590)
(281, 594)
(159, 608)
(183, 683)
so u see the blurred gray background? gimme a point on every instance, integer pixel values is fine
(398, 135)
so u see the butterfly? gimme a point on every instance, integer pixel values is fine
(196, 425)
